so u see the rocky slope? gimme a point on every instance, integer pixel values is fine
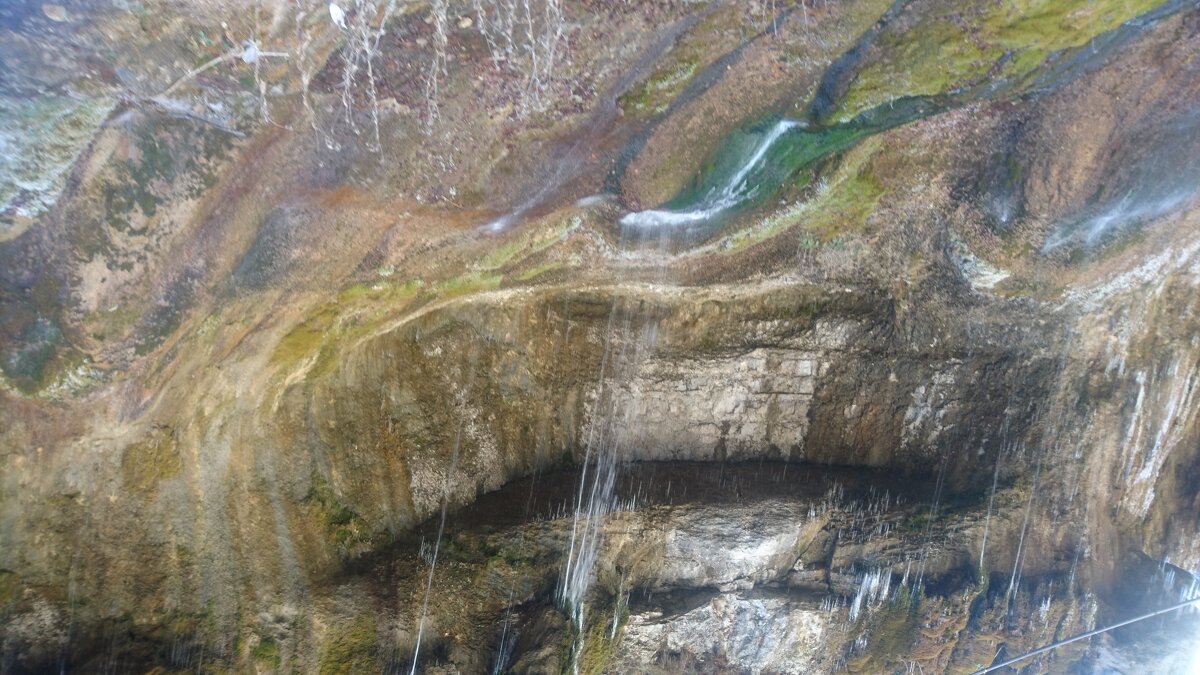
(252, 354)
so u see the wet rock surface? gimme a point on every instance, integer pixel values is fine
(923, 395)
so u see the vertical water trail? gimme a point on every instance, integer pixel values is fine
(507, 643)
(1005, 446)
(590, 515)
(442, 521)
(509, 633)
(589, 443)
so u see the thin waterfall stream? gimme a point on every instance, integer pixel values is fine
(718, 199)
(635, 335)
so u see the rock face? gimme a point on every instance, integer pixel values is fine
(303, 370)
(758, 634)
(751, 549)
(731, 406)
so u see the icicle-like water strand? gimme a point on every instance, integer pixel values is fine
(580, 552)
(874, 588)
(918, 585)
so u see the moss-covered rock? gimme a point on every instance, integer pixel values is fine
(348, 534)
(945, 48)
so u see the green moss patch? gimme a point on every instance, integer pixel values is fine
(538, 270)
(358, 310)
(956, 47)
(169, 155)
(384, 292)
(655, 93)
(44, 138)
(9, 587)
(267, 653)
(837, 207)
(521, 247)
(600, 641)
(892, 631)
(352, 648)
(466, 284)
(306, 338)
(38, 356)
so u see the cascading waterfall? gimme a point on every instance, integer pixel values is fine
(596, 497)
(737, 190)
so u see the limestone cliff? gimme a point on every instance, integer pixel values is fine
(316, 319)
